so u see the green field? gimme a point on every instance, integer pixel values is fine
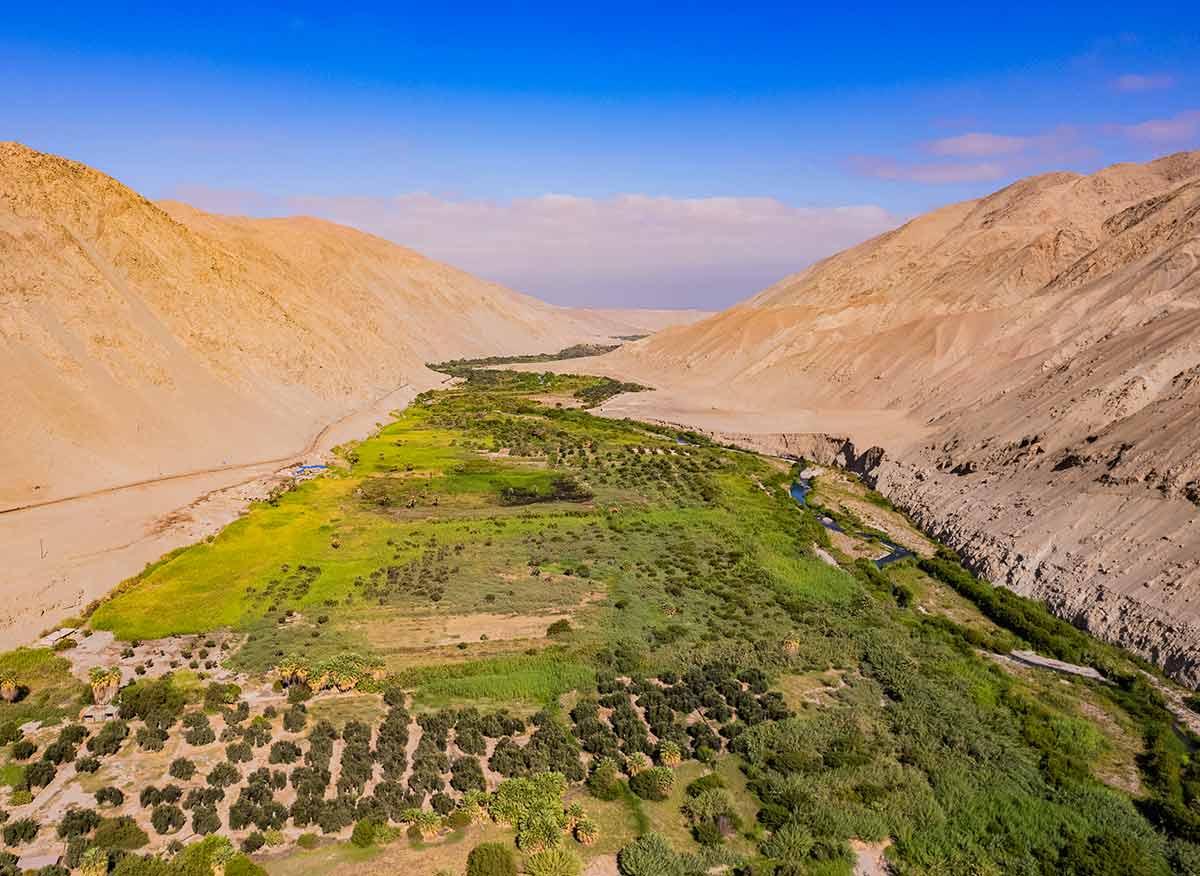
(500, 562)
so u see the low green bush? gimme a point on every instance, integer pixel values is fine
(491, 859)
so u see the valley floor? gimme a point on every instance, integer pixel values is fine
(506, 620)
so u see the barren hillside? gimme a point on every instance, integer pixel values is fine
(1030, 363)
(141, 339)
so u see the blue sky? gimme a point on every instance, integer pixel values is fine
(652, 154)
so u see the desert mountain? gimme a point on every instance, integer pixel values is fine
(1029, 365)
(141, 339)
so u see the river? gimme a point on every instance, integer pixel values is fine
(802, 487)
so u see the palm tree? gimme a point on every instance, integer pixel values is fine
(587, 832)
(291, 670)
(474, 804)
(221, 855)
(94, 862)
(429, 824)
(638, 762)
(574, 815)
(105, 682)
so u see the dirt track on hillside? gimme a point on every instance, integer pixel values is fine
(66, 552)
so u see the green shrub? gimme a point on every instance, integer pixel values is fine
(205, 820)
(709, 782)
(87, 765)
(308, 841)
(652, 784)
(181, 768)
(166, 818)
(223, 775)
(218, 695)
(649, 855)
(553, 862)
(19, 832)
(708, 833)
(364, 833)
(240, 865)
(791, 843)
(294, 719)
(605, 781)
(77, 822)
(156, 701)
(491, 859)
(39, 774)
(108, 740)
(111, 796)
(121, 832)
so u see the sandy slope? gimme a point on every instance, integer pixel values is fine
(159, 346)
(1029, 361)
(139, 339)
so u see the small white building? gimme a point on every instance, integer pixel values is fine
(98, 713)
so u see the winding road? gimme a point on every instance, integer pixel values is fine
(311, 448)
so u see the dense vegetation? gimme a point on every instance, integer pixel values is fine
(463, 367)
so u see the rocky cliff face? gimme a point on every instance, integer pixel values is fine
(1125, 567)
(1128, 572)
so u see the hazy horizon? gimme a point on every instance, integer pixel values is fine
(684, 157)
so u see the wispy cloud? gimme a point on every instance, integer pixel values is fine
(978, 145)
(977, 156)
(1138, 82)
(1180, 129)
(632, 249)
(934, 173)
(231, 202)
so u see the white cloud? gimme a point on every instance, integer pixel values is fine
(979, 145)
(978, 156)
(1181, 128)
(231, 202)
(626, 250)
(1137, 82)
(935, 173)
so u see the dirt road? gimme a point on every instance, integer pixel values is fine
(312, 448)
(61, 554)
